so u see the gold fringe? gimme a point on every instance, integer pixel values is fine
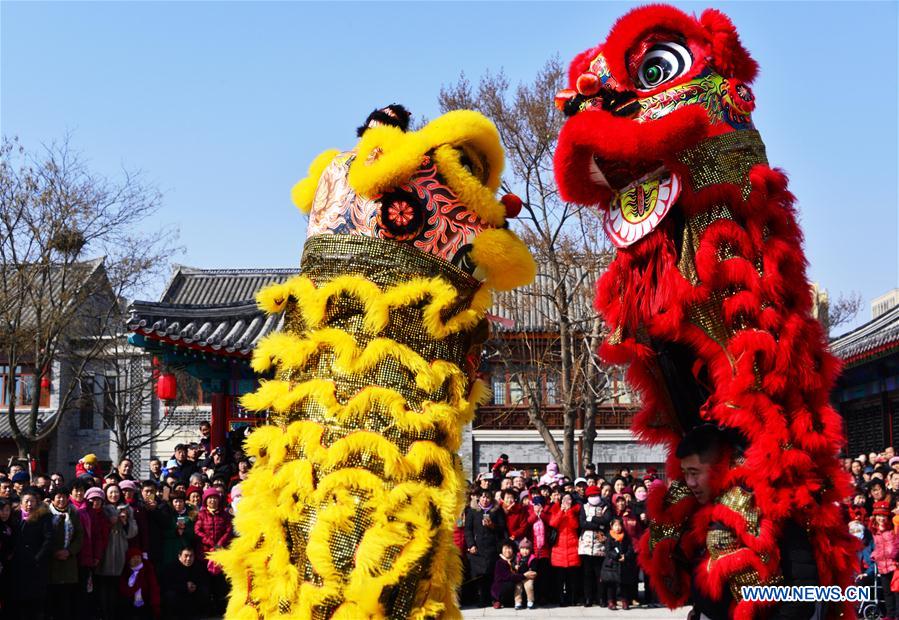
(292, 351)
(442, 295)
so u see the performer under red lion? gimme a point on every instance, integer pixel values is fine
(707, 301)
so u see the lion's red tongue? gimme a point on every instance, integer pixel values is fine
(636, 210)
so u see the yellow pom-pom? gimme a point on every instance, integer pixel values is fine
(504, 259)
(303, 192)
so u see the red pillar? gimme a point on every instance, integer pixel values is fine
(219, 420)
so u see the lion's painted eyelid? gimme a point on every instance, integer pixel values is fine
(662, 62)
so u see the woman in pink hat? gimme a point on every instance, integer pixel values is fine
(214, 531)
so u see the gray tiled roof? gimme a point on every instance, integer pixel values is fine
(65, 284)
(534, 308)
(211, 287)
(22, 420)
(867, 339)
(213, 309)
(216, 309)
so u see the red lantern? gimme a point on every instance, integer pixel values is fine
(167, 386)
(45, 382)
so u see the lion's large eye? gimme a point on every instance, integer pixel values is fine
(473, 163)
(662, 63)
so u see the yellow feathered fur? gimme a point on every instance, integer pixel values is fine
(441, 296)
(303, 193)
(387, 157)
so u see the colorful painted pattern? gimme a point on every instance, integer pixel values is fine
(424, 212)
(709, 90)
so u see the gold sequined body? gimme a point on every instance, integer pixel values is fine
(722, 542)
(360, 471)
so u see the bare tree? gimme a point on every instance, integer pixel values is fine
(844, 309)
(58, 309)
(129, 400)
(568, 245)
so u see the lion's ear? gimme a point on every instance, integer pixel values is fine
(728, 54)
(580, 64)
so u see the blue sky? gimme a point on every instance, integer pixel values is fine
(223, 105)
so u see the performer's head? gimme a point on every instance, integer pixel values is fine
(701, 451)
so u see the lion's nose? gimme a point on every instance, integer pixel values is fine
(622, 103)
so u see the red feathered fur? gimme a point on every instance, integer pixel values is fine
(772, 377)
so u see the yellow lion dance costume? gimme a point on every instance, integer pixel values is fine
(349, 509)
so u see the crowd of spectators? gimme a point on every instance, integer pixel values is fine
(105, 545)
(91, 544)
(532, 539)
(873, 514)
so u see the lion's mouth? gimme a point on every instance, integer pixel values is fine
(616, 175)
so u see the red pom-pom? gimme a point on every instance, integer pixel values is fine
(512, 203)
(588, 84)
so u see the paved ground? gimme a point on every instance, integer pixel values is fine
(635, 613)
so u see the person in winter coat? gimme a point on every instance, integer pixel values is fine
(68, 537)
(158, 517)
(551, 475)
(540, 531)
(138, 588)
(122, 528)
(886, 551)
(592, 543)
(485, 529)
(516, 515)
(505, 577)
(866, 565)
(8, 526)
(565, 518)
(179, 531)
(185, 587)
(525, 564)
(131, 496)
(619, 567)
(92, 554)
(78, 499)
(214, 531)
(216, 466)
(87, 465)
(31, 557)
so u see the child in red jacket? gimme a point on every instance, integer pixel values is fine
(139, 587)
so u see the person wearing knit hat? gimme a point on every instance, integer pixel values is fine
(594, 521)
(95, 493)
(87, 464)
(139, 587)
(886, 550)
(214, 531)
(881, 508)
(129, 485)
(122, 530)
(194, 496)
(20, 480)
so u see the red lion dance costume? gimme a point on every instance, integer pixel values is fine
(707, 300)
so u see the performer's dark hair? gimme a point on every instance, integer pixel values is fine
(393, 115)
(709, 441)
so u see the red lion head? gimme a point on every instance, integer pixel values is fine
(661, 83)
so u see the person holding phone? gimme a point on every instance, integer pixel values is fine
(485, 529)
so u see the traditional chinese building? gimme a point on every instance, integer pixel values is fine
(522, 364)
(206, 325)
(867, 392)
